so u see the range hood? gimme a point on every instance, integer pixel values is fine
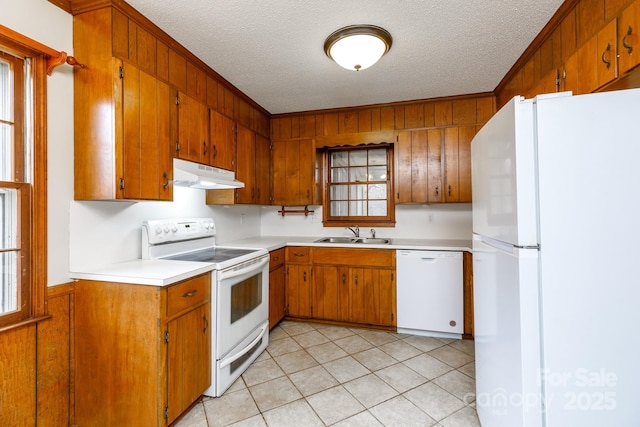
(196, 175)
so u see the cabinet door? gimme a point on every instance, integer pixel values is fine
(457, 164)
(246, 168)
(330, 293)
(193, 129)
(189, 359)
(293, 172)
(607, 59)
(298, 289)
(372, 296)
(146, 159)
(434, 165)
(276, 295)
(263, 171)
(412, 163)
(629, 37)
(569, 74)
(223, 141)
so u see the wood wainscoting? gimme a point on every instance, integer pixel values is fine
(36, 385)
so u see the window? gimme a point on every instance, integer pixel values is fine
(359, 187)
(22, 184)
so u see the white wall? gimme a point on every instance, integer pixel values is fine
(51, 26)
(108, 232)
(450, 221)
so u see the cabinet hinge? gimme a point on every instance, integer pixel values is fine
(122, 183)
(177, 146)
(271, 147)
(166, 337)
(166, 412)
(177, 100)
(122, 72)
(392, 277)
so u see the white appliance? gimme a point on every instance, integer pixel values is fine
(556, 221)
(240, 290)
(429, 293)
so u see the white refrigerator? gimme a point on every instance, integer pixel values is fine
(556, 246)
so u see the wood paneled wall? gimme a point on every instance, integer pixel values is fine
(440, 112)
(36, 380)
(575, 22)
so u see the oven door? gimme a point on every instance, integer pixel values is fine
(236, 361)
(243, 303)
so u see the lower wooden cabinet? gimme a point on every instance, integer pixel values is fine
(343, 285)
(276, 287)
(142, 353)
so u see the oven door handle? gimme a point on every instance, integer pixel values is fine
(235, 357)
(233, 273)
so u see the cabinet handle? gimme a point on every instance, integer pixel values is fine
(204, 145)
(356, 280)
(604, 54)
(624, 40)
(304, 276)
(215, 151)
(344, 278)
(275, 258)
(437, 190)
(189, 294)
(298, 254)
(258, 193)
(206, 324)
(449, 189)
(166, 181)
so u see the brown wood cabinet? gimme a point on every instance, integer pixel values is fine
(298, 281)
(355, 286)
(142, 353)
(434, 165)
(222, 138)
(193, 129)
(121, 121)
(629, 37)
(253, 167)
(293, 172)
(277, 298)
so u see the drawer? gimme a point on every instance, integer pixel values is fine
(189, 293)
(298, 255)
(276, 258)
(359, 257)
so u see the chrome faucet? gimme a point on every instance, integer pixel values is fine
(355, 230)
(373, 233)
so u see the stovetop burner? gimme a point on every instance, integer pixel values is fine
(216, 254)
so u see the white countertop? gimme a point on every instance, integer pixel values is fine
(271, 243)
(155, 272)
(166, 272)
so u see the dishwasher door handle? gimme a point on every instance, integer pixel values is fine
(429, 260)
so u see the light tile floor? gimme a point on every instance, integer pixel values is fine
(321, 375)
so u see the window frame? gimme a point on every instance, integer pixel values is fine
(362, 221)
(32, 194)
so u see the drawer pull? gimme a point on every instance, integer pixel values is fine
(189, 294)
(298, 254)
(275, 259)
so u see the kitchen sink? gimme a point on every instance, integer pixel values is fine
(372, 241)
(355, 240)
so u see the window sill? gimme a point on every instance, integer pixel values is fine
(360, 223)
(23, 323)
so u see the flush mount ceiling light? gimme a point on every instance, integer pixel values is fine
(357, 47)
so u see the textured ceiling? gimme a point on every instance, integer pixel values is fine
(273, 50)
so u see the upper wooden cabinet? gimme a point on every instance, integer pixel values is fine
(434, 165)
(222, 139)
(193, 129)
(252, 167)
(293, 172)
(121, 120)
(629, 37)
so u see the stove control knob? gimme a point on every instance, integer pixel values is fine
(174, 228)
(158, 229)
(166, 228)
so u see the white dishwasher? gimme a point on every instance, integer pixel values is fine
(430, 293)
